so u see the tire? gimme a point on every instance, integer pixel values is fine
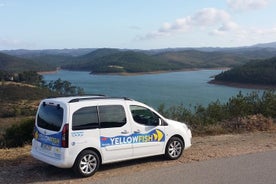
(87, 163)
(174, 148)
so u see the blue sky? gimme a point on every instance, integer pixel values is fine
(135, 24)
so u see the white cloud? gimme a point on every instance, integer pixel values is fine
(182, 24)
(207, 17)
(212, 22)
(210, 16)
(241, 5)
(227, 27)
(247, 36)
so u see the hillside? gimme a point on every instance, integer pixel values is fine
(52, 61)
(200, 59)
(16, 64)
(116, 60)
(113, 61)
(260, 72)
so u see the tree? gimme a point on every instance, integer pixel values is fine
(29, 77)
(64, 88)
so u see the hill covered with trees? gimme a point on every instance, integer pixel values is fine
(259, 72)
(12, 64)
(113, 61)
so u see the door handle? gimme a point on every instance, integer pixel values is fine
(124, 132)
(137, 131)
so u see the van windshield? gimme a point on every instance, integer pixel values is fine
(50, 117)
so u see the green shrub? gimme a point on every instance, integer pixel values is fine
(229, 117)
(268, 104)
(19, 134)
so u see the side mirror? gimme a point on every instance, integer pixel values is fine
(162, 122)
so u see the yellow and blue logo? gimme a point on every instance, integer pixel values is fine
(152, 136)
(53, 139)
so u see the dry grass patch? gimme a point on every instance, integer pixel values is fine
(251, 123)
(14, 156)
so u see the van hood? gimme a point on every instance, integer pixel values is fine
(176, 124)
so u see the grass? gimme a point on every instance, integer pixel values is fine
(14, 155)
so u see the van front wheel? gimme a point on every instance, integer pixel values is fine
(174, 148)
(87, 163)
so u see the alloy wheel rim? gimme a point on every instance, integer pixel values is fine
(175, 149)
(88, 164)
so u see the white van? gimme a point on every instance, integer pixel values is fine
(84, 132)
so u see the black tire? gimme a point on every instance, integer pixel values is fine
(174, 148)
(87, 163)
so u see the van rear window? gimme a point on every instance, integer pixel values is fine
(50, 117)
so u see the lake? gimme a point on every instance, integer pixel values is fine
(187, 87)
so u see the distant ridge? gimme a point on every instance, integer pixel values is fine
(112, 60)
(266, 45)
(83, 51)
(60, 52)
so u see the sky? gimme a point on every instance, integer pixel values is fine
(135, 24)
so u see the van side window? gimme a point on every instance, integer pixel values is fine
(112, 116)
(85, 118)
(144, 116)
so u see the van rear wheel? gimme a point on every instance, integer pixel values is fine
(87, 163)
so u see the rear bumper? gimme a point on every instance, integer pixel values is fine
(56, 156)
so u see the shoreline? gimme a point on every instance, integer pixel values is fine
(138, 73)
(160, 71)
(48, 72)
(241, 85)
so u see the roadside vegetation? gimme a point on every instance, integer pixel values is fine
(241, 113)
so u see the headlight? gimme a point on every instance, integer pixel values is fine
(187, 126)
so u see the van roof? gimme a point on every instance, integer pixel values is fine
(72, 99)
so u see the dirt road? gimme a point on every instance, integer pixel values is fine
(17, 166)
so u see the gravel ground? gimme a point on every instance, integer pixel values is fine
(17, 166)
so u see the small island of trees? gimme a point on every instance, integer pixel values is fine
(257, 72)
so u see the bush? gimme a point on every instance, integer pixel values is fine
(251, 112)
(19, 134)
(249, 123)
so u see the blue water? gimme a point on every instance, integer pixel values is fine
(188, 88)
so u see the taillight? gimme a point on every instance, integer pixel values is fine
(35, 132)
(64, 136)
